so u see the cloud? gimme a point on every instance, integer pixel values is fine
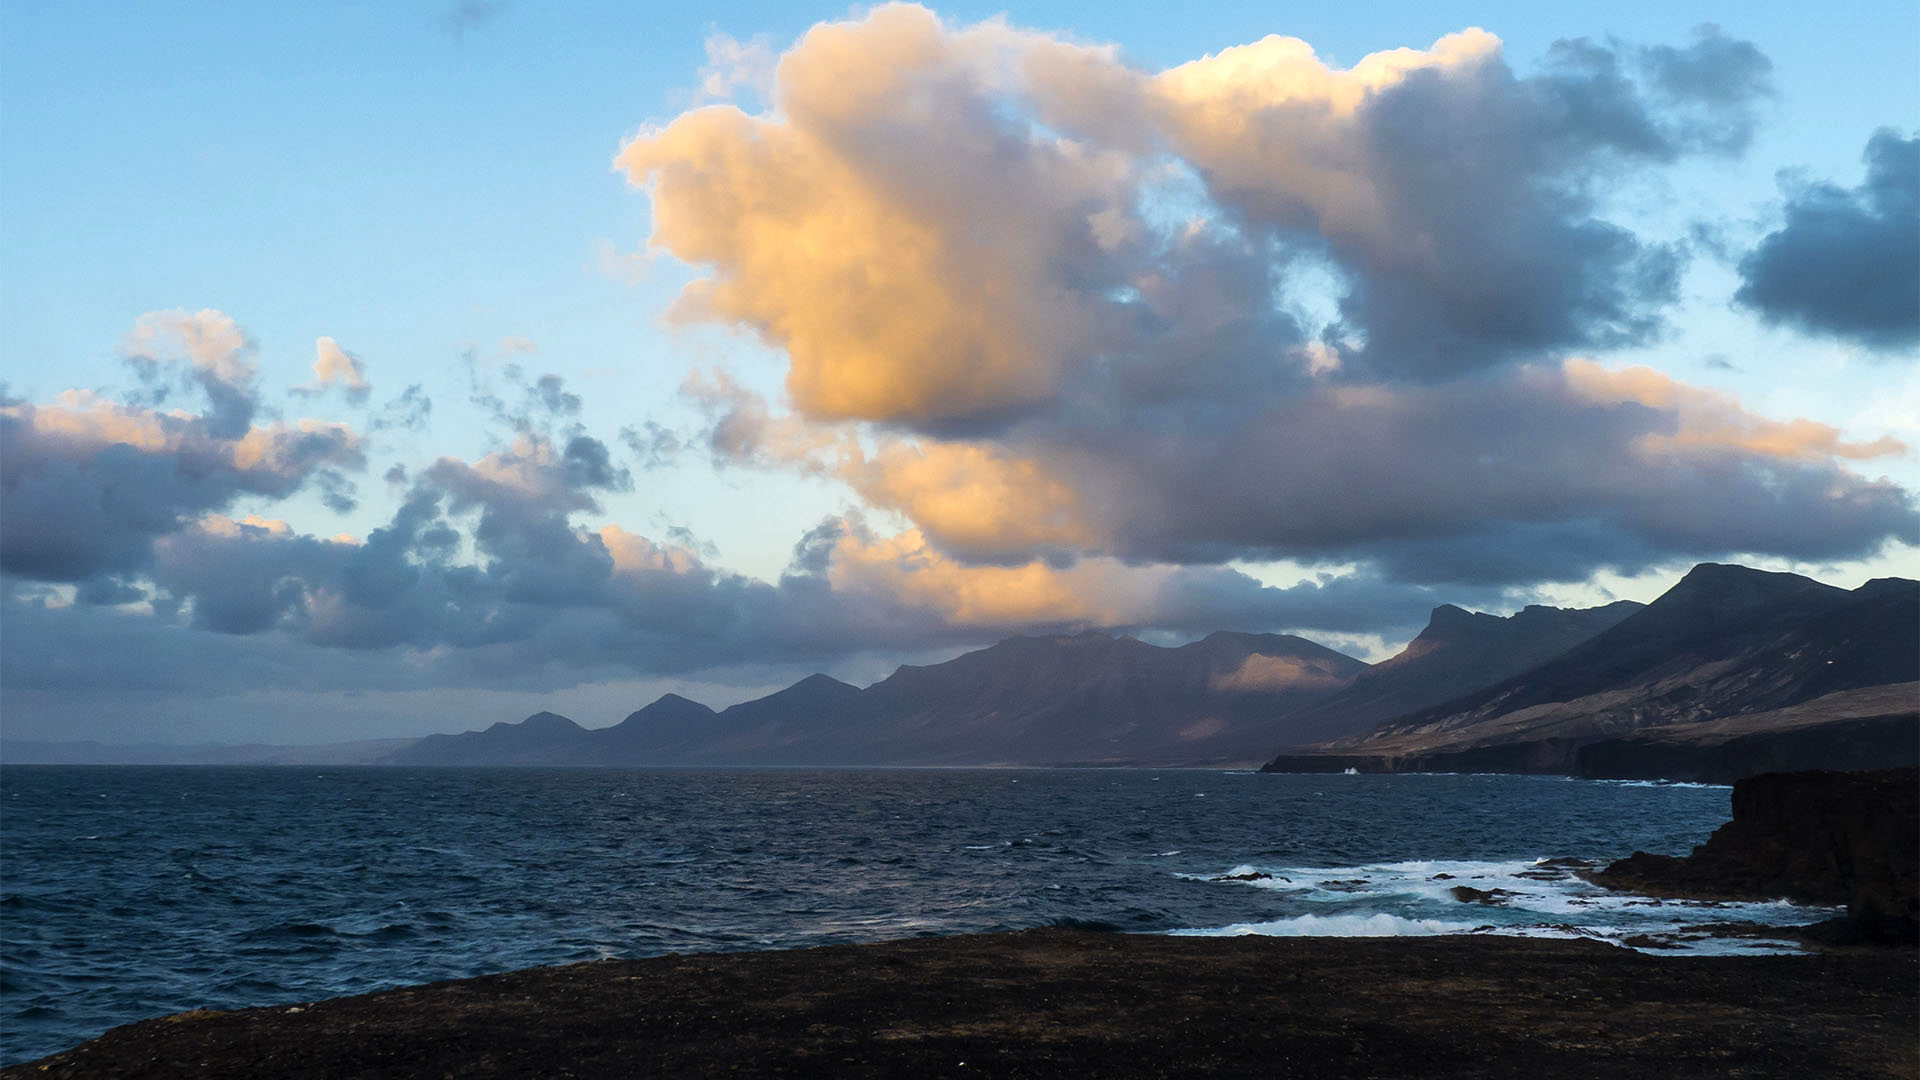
(736, 65)
(949, 236)
(254, 603)
(408, 412)
(87, 484)
(652, 445)
(335, 366)
(1716, 86)
(1846, 264)
(204, 350)
(834, 239)
(1073, 336)
(1037, 303)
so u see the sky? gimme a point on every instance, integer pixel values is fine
(374, 370)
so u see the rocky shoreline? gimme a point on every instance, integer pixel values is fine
(1058, 1002)
(1812, 837)
(1067, 1002)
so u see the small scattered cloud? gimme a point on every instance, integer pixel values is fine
(408, 412)
(733, 65)
(204, 350)
(652, 446)
(333, 367)
(610, 262)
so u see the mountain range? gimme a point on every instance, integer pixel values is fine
(1081, 700)
(1729, 672)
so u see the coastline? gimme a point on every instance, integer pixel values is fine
(1076, 1002)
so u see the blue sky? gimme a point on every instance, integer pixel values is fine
(433, 188)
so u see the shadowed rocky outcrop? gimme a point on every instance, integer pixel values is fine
(1812, 837)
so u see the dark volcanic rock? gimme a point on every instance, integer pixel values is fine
(1069, 1003)
(1467, 894)
(1813, 837)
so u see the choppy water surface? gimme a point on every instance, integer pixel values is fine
(134, 892)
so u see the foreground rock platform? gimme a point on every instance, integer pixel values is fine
(1059, 1002)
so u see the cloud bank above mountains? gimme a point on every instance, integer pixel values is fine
(1037, 302)
(1074, 337)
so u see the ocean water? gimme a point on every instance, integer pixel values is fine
(127, 893)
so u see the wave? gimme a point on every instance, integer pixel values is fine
(1374, 924)
(1534, 898)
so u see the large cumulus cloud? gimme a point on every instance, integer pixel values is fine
(1075, 338)
(1044, 305)
(1846, 263)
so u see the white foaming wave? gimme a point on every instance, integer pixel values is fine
(1659, 783)
(1528, 898)
(1672, 939)
(1375, 924)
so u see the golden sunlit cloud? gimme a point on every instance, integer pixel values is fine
(1707, 419)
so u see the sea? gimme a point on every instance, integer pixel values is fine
(135, 892)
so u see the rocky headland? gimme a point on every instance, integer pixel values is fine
(1812, 837)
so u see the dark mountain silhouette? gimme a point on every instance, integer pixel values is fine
(1459, 652)
(1083, 699)
(788, 727)
(1729, 669)
(664, 731)
(1092, 698)
(1726, 642)
(540, 739)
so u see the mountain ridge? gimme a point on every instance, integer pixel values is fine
(1725, 642)
(1230, 697)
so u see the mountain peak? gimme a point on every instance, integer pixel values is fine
(816, 687)
(1721, 576)
(1719, 590)
(1452, 617)
(538, 722)
(672, 704)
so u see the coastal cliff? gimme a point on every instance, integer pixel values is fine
(1812, 837)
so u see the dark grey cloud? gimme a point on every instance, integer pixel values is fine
(1846, 264)
(1715, 87)
(1484, 239)
(1518, 477)
(86, 489)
